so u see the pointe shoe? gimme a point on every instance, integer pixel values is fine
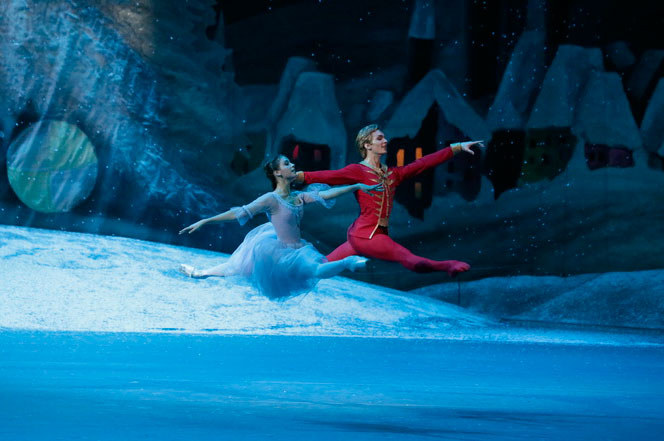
(356, 262)
(190, 271)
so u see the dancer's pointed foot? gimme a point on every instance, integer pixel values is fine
(452, 267)
(456, 266)
(190, 271)
(356, 262)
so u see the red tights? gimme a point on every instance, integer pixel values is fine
(381, 246)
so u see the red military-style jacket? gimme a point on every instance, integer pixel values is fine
(375, 208)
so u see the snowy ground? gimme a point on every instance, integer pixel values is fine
(619, 300)
(80, 282)
(62, 281)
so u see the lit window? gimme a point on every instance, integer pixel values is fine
(400, 155)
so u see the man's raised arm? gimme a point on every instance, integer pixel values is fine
(436, 158)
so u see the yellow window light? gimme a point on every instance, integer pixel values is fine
(400, 157)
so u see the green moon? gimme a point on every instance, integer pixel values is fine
(52, 166)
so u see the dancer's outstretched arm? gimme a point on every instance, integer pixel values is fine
(335, 192)
(241, 214)
(223, 217)
(433, 159)
(465, 146)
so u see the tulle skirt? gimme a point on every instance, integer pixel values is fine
(277, 270)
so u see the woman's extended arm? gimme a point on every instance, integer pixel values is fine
(338, 191)
(223, 217)
(241, 214)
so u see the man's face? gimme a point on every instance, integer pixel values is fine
(378, 143)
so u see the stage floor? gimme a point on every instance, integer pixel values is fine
(170, 386)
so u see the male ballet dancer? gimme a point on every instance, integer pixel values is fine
(367, 236)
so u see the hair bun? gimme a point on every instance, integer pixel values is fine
(270, 167)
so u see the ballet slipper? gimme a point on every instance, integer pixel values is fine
(190, 271)
(356, 262)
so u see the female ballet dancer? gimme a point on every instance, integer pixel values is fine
(273, 255)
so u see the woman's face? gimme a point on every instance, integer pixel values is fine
(286, 168)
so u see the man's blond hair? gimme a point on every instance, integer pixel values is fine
(364, 137)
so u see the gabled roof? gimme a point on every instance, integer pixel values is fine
(294, 67)
(563, 86)
(604, 116)
(520, 84)
(652, 126)
(435, 88)
(312, 115)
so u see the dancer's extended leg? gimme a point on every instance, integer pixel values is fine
(341, 252)
(323, 271)
(331, 269)
(381, 246)
(215, 271)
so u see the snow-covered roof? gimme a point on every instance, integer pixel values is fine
(652, 126)
(563, 86)
(435, 88)
(312, 115)
(520, 83)
(604, 116)
(294, 67)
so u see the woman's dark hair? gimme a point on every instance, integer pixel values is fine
(270, 167)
